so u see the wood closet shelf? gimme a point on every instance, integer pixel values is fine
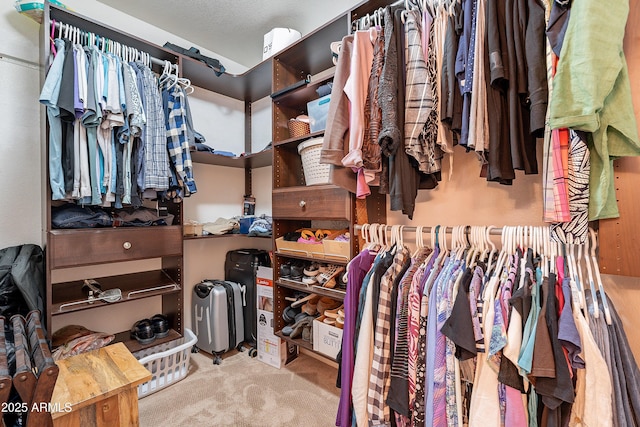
(133, 345)
(69, 296)
(336, 294)
(253, 160)
(224, 236)
(297, 341)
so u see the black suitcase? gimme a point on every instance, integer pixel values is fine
(241, 266)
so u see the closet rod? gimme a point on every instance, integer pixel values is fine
(495, 231)
(153, 60)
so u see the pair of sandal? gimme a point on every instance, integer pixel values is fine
(310, 236)
(335, 317)
(329, 276)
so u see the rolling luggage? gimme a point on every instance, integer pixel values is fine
(241, 266)
(218, 319)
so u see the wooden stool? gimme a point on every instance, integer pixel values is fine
(99, 388)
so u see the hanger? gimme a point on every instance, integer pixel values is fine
(577, 291)
(596, 272)
(592, 288)
(419, 241)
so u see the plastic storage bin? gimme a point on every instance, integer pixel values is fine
(318, 110)
(168, 363)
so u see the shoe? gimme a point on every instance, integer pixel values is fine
(311, 297)
(327, 273)
(285, 271)
(309, 280)
(300, 316)
(296, 272)
(286, 331)
(310, 308)
(142, 331)
(160, 325)
(289, 314)
(340, 322)
(333, 313)
(299, 326)
(307, 333)
(327, 303)
(312, 269)
(329, 321)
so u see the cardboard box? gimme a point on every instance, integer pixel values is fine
(327, 339)
(318, 110)
(336, 249)
(271, 349)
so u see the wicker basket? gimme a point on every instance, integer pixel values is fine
(298, 128)
(314, 172)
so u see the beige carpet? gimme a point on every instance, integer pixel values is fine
(246, 392)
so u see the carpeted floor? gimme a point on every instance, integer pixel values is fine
(246, 392)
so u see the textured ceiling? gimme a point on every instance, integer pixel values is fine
(232, 28)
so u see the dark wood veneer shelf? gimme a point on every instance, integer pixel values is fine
(319, 290)
(222, 236)
(133, 345)
(297, 341)
(69, 296)
(253, 160)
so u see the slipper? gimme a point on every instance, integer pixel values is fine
(299, 326)
(307, 333)
(327, 303)
(309, 280)
(329, 321)
(310, 308)
(333, 313)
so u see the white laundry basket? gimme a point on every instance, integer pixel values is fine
(168, 363)
(314, 172)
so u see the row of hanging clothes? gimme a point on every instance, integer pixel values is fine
(118, 132)
(419, 77)
(459, 332)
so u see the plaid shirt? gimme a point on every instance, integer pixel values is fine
(380, 378)
(177, 140)
(156, 159)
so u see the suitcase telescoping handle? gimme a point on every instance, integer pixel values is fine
(203, 289)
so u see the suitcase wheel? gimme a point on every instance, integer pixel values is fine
(240, 347)
(195, 349)
(253, 352)
(217, 360)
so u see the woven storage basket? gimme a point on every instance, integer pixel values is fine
(298, 128)
(314, 172)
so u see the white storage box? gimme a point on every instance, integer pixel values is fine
(277, 39)
(168, 363)
(314, 172)
(318, 110)
(327, 339)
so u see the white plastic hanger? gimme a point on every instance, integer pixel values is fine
(596, 272)
(594, 298)
(419, 241)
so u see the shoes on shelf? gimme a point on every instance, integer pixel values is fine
(285, 270)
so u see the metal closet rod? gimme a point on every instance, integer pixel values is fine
(84, 33)
(495, 231)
